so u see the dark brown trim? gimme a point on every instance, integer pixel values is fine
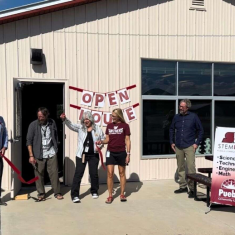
(44, 10)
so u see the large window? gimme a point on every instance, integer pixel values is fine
(224, 77)
(195, 79)
(225, 113)
(209, 86)
(158, 77)
(157, 117)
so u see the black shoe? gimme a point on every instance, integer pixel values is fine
(181, 190)
(2, 203)
(191, 194)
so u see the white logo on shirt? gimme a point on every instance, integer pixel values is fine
(115, 131)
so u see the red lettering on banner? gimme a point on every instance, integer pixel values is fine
(97, 117)
(81, 113)
(86, 98)
(123, 95)
(98, 98)
(107, 119)
(112, 99)
(130, 114)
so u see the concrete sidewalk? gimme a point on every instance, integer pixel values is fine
(152, 208)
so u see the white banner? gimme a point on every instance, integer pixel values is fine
(130, 114)
(107, 118)
(112, 99)
(99, 100)
(97, 117)
(123, 96)
(87, 97)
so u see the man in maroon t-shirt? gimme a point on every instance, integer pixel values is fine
(118, 152)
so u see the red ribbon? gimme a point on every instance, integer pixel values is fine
(101, 156)
(17, 171)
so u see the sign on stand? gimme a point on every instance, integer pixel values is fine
(223, 176)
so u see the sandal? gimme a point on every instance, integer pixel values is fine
(109, 200)
(59, 196)
(41, 198)
(123, 198)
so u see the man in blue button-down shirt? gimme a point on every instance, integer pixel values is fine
(3, 148)
(185, 127)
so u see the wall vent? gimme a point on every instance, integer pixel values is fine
(198, 5)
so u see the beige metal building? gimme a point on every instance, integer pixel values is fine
(171, 49)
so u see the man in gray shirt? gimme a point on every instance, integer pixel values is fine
(42, 143)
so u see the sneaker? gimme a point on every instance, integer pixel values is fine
(76, 200)
(181, 190)
(191, 194)
(95, 195)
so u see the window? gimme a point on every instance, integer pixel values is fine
(157, 117)
(209, 86)
(194, 79)
(225, 113)
(203, 109)
(224, 80)
(158, 77)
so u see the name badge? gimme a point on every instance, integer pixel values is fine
(86, 149)
(108, 154)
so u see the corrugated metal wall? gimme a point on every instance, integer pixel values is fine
(98, 47)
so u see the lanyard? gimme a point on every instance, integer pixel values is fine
(44, 130)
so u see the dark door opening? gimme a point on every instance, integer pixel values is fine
(35, 95)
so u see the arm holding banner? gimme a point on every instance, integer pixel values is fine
(100, 137)
(105, 141)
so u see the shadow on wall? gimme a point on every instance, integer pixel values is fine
(61, 20)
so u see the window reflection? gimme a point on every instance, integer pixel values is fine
(224, 80)
(195, 79)
(157, 118)
(225, 113)
(158, 77)
(203, 110)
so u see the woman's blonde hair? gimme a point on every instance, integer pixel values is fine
(119, 115)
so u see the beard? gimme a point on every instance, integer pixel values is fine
(42, 122)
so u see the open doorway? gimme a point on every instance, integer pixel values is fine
(35, 95)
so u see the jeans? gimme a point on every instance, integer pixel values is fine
(93, 161)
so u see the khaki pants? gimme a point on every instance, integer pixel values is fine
(189, 154)
(52, 169)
